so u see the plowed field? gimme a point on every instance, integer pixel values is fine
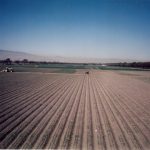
(102, 110)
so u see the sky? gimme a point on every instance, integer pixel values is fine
(77, 28)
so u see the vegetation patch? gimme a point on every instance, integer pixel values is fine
(65, 70)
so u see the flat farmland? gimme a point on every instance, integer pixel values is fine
(103, 110)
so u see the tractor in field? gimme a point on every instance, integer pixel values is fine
(87, 72)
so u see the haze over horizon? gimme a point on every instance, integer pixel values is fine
(77, 28)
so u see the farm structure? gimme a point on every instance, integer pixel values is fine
(101, 110)
(7, 69)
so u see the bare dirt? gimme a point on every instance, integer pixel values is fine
(100, 110)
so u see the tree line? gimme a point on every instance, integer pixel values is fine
(144, 65)
(8, 61)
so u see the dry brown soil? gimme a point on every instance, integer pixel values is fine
(102, 110)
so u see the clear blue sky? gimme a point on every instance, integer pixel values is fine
(84, 28)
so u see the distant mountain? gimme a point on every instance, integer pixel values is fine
(14, 55)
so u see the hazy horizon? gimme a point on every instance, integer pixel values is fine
(14, 55)
(77, 28)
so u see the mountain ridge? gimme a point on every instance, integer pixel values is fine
(15, 55)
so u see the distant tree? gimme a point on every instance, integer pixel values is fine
(17, 61)
(25, 61)
(8, 61)
(32, 62)
(124, 64)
